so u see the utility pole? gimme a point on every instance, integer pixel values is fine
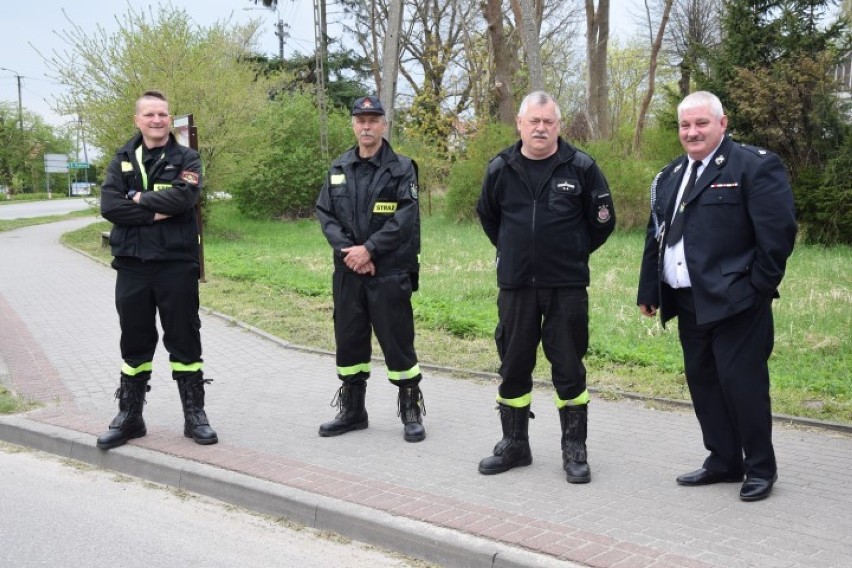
(390, 62)
(281, 31)
(321, 39)
(20, 105)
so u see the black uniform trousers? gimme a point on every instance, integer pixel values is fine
(169, 286)
(363, 304)
(558, 318)
(727, 373)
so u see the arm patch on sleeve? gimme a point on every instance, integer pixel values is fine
(189, 177)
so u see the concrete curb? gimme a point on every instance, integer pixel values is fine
(414, 538)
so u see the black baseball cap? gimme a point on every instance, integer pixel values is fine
(368, 105)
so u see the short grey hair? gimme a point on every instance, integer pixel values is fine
(700, 99)
(539, 98)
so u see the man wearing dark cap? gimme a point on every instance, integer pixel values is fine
(369, 213)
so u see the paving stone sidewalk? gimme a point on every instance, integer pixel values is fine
(59, 345)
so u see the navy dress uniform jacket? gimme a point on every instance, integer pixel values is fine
(739, 230)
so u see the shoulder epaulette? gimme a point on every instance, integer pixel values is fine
(496, 163)
(757, 151)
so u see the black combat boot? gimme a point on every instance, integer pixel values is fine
(352, 414)
(574, 420)
(195, 425)
(128, 423)
(514, 449)
(410, 406)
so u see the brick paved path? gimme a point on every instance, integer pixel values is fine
(58, 339)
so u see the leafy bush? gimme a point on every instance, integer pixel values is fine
(432, 168)
(465, 182)
(824, 199)
(284, 175)
(629, 180)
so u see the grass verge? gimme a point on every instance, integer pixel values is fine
(10, 224)
(277, 276)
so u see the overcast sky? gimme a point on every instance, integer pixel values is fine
(34, 23)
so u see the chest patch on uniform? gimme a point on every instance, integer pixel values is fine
(159, 186)
(565, 187)
(126, 167)
(189, 177)
(338, 179)
(384, 207)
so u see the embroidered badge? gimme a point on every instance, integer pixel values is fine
(126, 167)
(384, 207)
(414, 189)
(677, 168)
(189, 177)
(337, 179)
(565, 186)
(719, 160)
(603, 214)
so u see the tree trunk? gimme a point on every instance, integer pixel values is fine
(526, 21)
(390, 63)
(652, 73)
(492, 10)
(597, 95)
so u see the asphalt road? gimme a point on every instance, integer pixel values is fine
(27, 209)
(56, 512)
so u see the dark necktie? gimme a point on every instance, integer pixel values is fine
(675, 232)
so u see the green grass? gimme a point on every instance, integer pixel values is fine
(9, 224)
(277, 277)
(10, 404)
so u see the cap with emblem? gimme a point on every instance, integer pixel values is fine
(368, 105)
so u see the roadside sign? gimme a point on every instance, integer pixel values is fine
(56, 163)
(78, 165)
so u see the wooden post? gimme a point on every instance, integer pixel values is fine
(187, 135)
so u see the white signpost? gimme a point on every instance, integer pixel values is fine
(55, 164)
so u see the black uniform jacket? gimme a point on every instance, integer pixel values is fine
(544, 235)
(385, 218)
(739, 230)
(174, 185)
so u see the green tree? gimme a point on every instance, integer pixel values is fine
(22, 150)
(771, 72)
(348, 74)
(203, 71)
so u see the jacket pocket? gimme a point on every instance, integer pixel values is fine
(564, 195)
(736, 275)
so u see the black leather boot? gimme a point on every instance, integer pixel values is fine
(410, 406)
(352, 414)
(195, 425)
(574, 420)
(514, 449)
(128, 423)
